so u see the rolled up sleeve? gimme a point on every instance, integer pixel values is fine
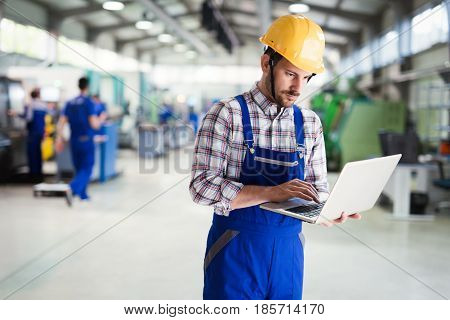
(208, 184)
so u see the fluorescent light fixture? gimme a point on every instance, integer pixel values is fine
(113, 5)
(144, 25)
(179, 47)
(165, 38)
(191, 54)
(296, 8)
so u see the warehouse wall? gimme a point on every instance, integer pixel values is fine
(19, 11)
(106, 41)
(66, 78)
(73, 29)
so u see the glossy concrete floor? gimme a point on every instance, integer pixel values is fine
(141, 237)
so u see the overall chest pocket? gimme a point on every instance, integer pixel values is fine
(276, 162)
(275, 170)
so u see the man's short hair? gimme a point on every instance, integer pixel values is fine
(35, 93)
(83, 83)
(275, 56)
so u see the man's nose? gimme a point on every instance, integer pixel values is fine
(297, 84)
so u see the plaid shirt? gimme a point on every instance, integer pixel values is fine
(219, 147)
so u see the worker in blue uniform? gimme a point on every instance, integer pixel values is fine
(34, 115)
(165, 114)
(100, 137)
(79, 112)
(193, 119)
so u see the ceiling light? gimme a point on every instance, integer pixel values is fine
(165, 38)
(296, 8)
(181, 98)
(144, 25)
(113, 5)
(179, 47)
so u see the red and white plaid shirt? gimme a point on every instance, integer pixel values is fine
(219, 148)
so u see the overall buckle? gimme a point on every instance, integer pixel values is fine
(252, 150)
(301, 149)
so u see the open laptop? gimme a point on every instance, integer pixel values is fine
(356, 190)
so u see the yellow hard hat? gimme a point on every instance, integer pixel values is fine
(299, 40)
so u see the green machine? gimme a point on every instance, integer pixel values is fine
(351, 126)
(360, 126)
(329, 106)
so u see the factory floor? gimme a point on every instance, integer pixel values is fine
(142, 237)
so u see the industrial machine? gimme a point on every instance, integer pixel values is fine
(12, 131)
(351, 126)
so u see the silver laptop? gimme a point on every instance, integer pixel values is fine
(356, 190)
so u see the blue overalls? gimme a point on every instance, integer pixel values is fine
(35, 116)
(78, 111)
(254, 253)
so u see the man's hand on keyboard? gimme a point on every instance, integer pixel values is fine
(291, 189)
(342, 219)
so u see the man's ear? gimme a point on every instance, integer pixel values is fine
(265, 63)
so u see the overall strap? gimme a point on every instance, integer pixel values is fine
(299, 132)
(248, 134)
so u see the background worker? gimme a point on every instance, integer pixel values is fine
(80, 114)
(34, 114)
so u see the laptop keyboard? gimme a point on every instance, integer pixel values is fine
(307, 211)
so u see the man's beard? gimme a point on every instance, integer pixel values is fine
(278, 97)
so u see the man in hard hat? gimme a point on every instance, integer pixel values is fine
(260, 147)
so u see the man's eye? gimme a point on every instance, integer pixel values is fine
(290, 74)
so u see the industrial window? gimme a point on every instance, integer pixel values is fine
(428, 28)
(75, 52)
(364, 60)
(388, 47)
(27, 40)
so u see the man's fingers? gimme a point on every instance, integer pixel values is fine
(356, 216)
(310, 190)
(301, 183)
(326, 224)
(301, 195)
(305, 192)
(297, 183)
(341, 219)
(345, 216)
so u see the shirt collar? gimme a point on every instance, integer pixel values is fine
(267, 106)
